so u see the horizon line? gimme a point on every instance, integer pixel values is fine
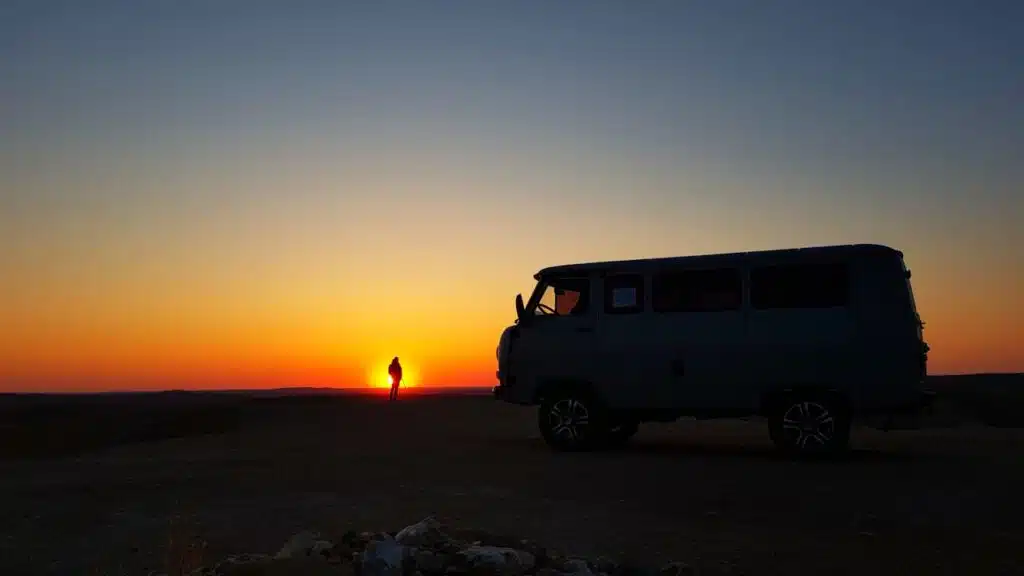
(350, 389)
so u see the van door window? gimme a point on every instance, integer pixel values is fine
(565, 297)
(697, 291)
(624, 294)
(799, 286)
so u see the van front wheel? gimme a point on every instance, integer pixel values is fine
(571, 421)
(810, 425)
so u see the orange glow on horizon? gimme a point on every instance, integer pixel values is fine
(129, 327)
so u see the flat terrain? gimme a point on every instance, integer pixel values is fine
(247, 473)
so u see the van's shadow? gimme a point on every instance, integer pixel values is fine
(684, 448)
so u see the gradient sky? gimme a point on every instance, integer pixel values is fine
(242, 193)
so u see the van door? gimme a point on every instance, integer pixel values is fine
(626, 345)
(801, 326)
(557, 341)
(701, 326)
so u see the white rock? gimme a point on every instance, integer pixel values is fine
(425, 532)
(383, 558)
(321, 546)
(247, 559)
(503, 560)
(301, 544)
(578, 567)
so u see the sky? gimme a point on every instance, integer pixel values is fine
(246, 193)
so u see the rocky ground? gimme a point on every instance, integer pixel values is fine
(426, 548)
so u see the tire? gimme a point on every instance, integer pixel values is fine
(810, 425)
(572, 421)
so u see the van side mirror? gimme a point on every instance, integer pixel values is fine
(520, 307)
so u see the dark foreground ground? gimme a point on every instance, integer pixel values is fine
(108, 485)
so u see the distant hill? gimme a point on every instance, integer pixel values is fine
(1005, 382)
(215, 397)
(991, 399)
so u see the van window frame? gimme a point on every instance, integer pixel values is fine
(544, 283)
(639, 307)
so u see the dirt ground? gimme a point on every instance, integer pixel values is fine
(712, 494)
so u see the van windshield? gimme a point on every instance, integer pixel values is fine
(561, 297)
(910, 287)
(910, 296)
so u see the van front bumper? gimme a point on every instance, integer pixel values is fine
(498, 391)
(509, 391)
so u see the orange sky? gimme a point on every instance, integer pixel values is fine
(107, 326)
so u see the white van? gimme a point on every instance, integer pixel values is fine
(811, 338)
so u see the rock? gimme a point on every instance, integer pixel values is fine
(426, 532)
(303, 544)
(321, 548)
(382, 557)
(450, 547)
(497, 560)
(426, 548)
(578, 566)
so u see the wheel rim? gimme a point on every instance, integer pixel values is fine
(808, 425)
(569, 419)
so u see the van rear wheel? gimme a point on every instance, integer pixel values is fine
(571, 421)
(806, 424)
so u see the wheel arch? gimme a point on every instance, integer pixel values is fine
(771, 398)
(550, 387)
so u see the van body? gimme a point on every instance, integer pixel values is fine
(832, 330)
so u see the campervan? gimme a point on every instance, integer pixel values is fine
(810, 339)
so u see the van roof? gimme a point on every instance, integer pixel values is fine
(712, 259)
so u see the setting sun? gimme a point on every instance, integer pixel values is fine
(377, 375)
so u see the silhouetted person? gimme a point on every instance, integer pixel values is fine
(395, 370)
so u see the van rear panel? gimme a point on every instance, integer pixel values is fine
(891, 335)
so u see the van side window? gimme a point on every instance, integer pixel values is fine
(799, 286)
(697, 291)
(624, 294)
